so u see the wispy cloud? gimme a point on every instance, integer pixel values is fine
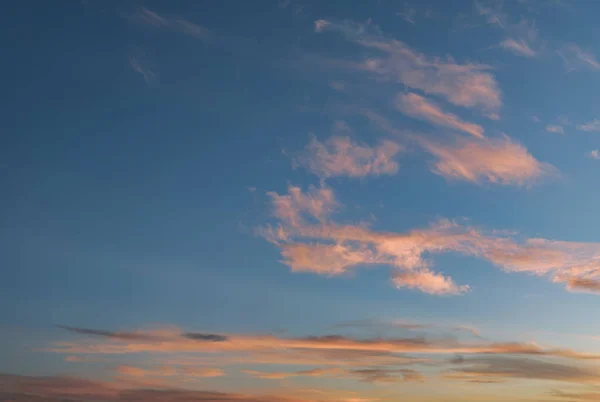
(593, 125)
(377, 325)
(573, 396)
(518, 47)
(498, 160)
(137, 66)
(341, 156)
(408, 14)
(575, 58)
(428, 282)
(57, 389)
(495, 369)
(176, 24)
(421, 108)
(521, 38)
(338, 345)
(553, 128)
(467, 85)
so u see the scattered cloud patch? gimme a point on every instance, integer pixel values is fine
(593, 125)
(466, 85)
(136, 65)
(342, 156)
(553, 128)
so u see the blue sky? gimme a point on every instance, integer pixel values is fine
(278, 172)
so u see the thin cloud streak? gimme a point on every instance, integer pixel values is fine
(416, 106)
(467, 85)
(144, 16)
(593, 125)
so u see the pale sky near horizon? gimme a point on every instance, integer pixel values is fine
(300, 201)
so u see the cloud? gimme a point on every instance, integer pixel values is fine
(60, 389)
(428, 282)
(326, 345)
(408, 325)
(494, 369)
(498, 160)
(589, 396)
(145, 16)
(110, 334)
(521, 38)
(408, 14)
(326, 247)
(421, 108)
(137, 66)
(576, 58)
(593, 125)
(518, 47)
(341, 156)
(297, 206)
(583, 285)
(466, 85)
(551, 128)
(200, 336)
(387, 375)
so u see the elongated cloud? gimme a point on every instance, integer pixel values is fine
(574, 58)
(521, 38)
(137, 66)
(342, 345)
(147, 17)
(495, 369)
(467, 85)
(593, 125)
(518, 47)
(325, 247)
(420, 108)
(553, 128)
(497, 160)
(59, 389)
(341, 156)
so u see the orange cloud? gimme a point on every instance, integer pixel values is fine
(495, 160)
(421, 108)
(340, 156)
(322, 246)
(343, 346)
(428, 282)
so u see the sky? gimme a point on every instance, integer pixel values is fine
(300, 201)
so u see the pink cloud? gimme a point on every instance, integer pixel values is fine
(428, 282)
(421, 108)
(518, 47)
(467, 85)
(328, 248)
(495, 160)
(341, 156)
